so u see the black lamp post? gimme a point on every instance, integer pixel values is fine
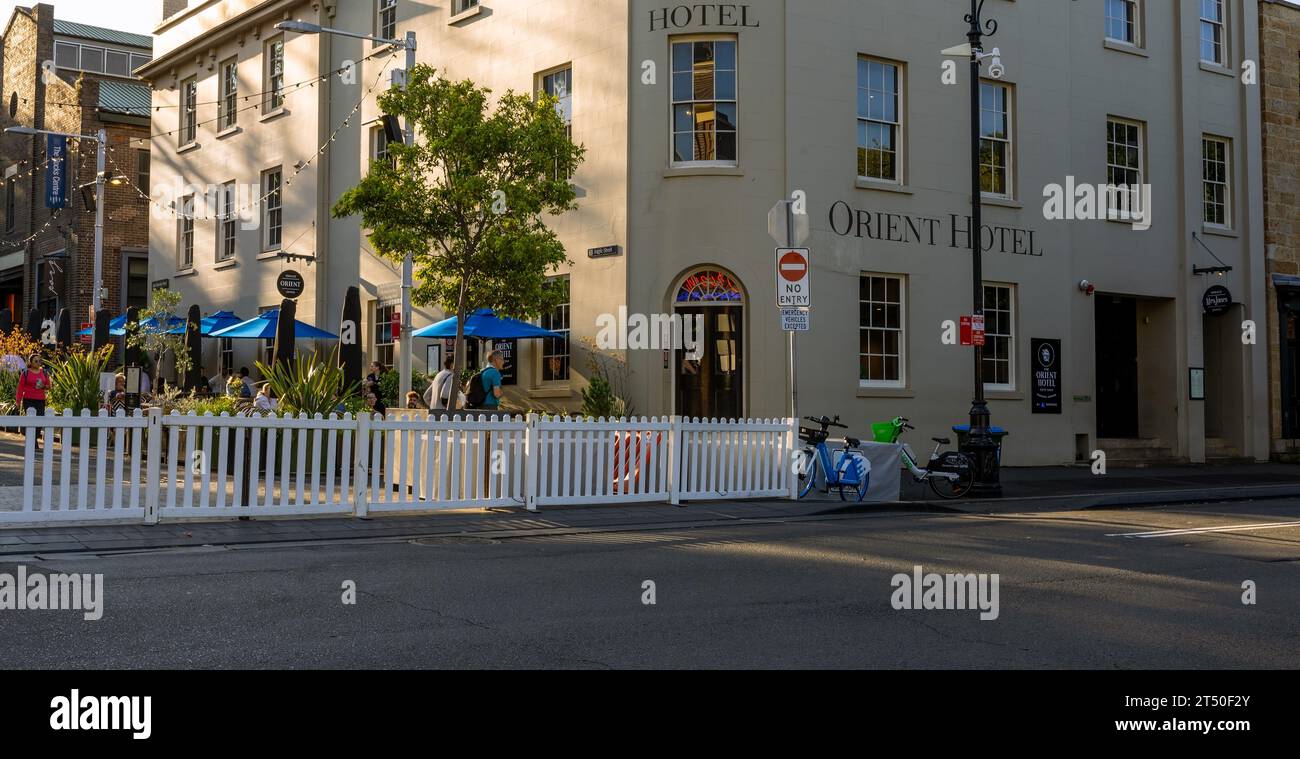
(980, 445)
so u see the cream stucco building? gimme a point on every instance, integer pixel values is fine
(697, 118)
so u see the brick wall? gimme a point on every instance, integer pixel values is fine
(67, 105)
(1280, 100)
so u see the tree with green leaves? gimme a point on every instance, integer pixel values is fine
(468, 199)
(151, 332)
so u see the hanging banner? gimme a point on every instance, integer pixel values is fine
(56, 171)
(1046, 379)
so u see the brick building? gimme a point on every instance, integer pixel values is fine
(68, 77)
(1279, 29)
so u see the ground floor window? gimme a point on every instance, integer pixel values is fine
(227, 357)
(555, 350)
(999, 337)
(384, 333)
(880, 330)
(268, 345)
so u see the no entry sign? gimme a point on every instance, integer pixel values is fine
(793, 278)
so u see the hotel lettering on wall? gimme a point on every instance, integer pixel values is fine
(950, 230)
(702, 14)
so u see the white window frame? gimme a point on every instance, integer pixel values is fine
(384, 351)
(272, 209)
(227, 223)
(673, 103)
(1133, 22)
(272, 82)
(1010, 384)
(1226, 184)
(227, 359)
(1112, 213)
(228, 95)
(379, 145)
(897, 124)
(1221, 25)
(900, 330)
(188, 132)
(185, 238)
(382, 7)
(549, 322)
(1009, 140)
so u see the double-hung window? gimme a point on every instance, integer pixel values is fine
(999, 337)
(386, 19)
(1212, 32)
(273, 208)
(226, 222)
(189, 111)
(273, 86)
(881, 323)
(880, 121)
(1216, 181)
(229, 96)
(996, 150)
(704, 101)
(1124, 170)
(555, 350)
(1122, 21)
(185, 247)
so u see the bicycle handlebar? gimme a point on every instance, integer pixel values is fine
(825, 422)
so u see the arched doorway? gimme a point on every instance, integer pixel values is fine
(710, 380)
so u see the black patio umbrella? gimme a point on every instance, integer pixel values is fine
(34, 325)
(284, 333)
(63, 333)
(193, 347)
(350, 357)
(102, 318)
(6, 321)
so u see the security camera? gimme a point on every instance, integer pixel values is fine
(1086, 287)
(996, 69)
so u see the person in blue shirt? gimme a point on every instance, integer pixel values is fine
(492, 379)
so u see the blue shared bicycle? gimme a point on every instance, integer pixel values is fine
(846, 468)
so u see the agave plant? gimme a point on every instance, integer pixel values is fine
(309, 385)
(74, 378)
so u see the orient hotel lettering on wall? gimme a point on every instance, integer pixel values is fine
(952, 230)
(701, 14)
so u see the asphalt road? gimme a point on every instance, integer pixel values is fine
(1075, 590)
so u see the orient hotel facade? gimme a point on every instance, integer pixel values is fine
(698, 118)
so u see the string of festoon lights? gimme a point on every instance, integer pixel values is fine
(245, 98)
(258, 97)
(299, 167)
(12, 244)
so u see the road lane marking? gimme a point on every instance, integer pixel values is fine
(1194, 530)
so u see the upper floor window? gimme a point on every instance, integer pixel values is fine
(1212, 40)
(1215, 181)
(273, 208)
(1122, 21)
(189, 111)
(1124, 166)
(379, 146)
(460, 6)
(995, 139)
(97, 59)
(226, 222)
(11, 192)
(879, 121)
(704, 101)
(274, 84)
(559, 85)
(386, 19)
(142, 170)
(185, 248)
(227, 103)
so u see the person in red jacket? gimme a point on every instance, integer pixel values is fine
(32, 384)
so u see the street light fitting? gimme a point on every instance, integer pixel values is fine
(302, 27)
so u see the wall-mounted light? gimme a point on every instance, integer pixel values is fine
(1086, 287)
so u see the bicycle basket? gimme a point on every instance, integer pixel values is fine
(884, 432)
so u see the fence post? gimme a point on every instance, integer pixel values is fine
(530, 462)
(674, 460)
(791, 445)
(153, 474)
(361, 474)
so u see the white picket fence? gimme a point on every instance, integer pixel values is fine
(152, 467)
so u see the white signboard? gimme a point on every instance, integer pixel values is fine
(794, 319)
(793, 278)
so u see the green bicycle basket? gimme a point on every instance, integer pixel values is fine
(883, 432)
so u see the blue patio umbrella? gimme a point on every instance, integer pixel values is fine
(263, 327)
(117, 325)
(486, 325)
(210, 324)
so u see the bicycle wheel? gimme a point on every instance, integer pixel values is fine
(807, 463)
(951, 462)
(859, 477)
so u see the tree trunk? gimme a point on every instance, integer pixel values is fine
(453, 398)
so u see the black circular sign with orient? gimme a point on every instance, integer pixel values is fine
(1216, 301)
(290, 284)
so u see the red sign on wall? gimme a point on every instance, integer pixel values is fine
(396, 323)
(977, 329)
(965, 330)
